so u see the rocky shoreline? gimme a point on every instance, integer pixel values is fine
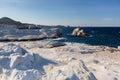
(24, 58)
(32, 61)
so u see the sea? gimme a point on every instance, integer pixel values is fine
(98, 36)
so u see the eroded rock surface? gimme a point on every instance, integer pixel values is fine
(18, 64)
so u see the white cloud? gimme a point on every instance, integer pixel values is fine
(107, 19)
(12, 1)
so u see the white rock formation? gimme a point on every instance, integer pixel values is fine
(78, 32)
(17, 64)
(74, 70)
(10, 32)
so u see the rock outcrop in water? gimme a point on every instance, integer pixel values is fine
(78, 32)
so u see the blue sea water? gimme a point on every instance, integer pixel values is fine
(105, 36)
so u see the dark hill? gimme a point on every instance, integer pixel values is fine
(8, 21)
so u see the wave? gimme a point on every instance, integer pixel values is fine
(56, 39)
(90, 35)
(77, 44)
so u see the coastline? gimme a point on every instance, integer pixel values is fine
(37, 52)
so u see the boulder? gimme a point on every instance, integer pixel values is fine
(78, 32)
(53, 44)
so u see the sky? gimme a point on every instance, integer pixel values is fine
(63, 12)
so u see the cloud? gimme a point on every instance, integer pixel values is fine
(107, 19)
(12, 1)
